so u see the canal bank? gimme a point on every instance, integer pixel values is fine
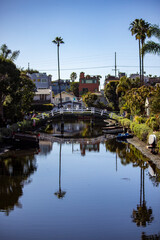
(141, 146)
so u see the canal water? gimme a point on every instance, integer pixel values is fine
(79, 188)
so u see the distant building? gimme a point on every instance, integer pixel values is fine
(41, 80)
(64, 85)
(88, 83)
(154, 80)
(109, 78)
(101, 98)
(134, 76)
(121, 74)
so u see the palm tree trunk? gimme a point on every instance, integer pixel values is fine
(140, 72)
(1, 107)
(142, 66)
(59, 80)
(60, 169)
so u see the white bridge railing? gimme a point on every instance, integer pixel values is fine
(91, 110)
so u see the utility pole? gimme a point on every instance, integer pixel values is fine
(115, 67)
(28, 67)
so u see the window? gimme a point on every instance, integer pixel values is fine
(67, 98)
(44, 80)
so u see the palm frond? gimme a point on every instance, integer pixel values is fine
(155, 31)
(151, 47)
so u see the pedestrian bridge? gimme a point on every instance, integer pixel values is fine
(90, 112)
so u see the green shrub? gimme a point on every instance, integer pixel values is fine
(42, 107)
(154, 123)
(141, 131)
(139, 119)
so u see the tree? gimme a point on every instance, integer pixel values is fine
(74, 87)
(111, 95)
(125, 84)
(73, 76)
(9, 77)
(135, 100)
(155, 102)
(89, 99)
(141, 30)
(16, 90)
(6, 53)
(58, 41)
(150, 46)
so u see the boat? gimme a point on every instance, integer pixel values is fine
(25, 140)
(112, 130)
(121, 136)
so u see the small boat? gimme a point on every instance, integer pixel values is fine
(25, 140)
(113, 130)
(124, 136)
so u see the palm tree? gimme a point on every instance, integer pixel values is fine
(141, 29)
(7, 53)
(134, 28)
(150, 46)
(144, 32)
(73, 76)
(58, 41)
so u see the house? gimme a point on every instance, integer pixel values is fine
(134, 76)
(64, 85)
(68, 100)
(101, 98)
(110, 78)
(43, 96)
(43, 93)
(88, 83)
(41, 80)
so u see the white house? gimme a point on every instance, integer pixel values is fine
(43, 95)
(68, 100)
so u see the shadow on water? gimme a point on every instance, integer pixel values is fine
(15, 172)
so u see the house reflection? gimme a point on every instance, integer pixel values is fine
(69, 129)
(45, 147)
(89, 147)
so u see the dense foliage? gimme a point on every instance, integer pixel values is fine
(16, 91)
(111, 95)
(89, 99)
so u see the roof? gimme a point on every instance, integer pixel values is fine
(43, 91)
(71, 94)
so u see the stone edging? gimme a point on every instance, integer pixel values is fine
(146, 152)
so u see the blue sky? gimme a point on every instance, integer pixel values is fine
(92, 31)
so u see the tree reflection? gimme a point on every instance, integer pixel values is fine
(142, 215)
(60, 194)
(14, 174)
(150, 237)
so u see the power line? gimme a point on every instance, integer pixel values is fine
(82, 68)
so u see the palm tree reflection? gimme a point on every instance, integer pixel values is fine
(60, 194)
(142, 215)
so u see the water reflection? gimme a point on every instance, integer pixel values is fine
(103, 209)
(60, 194)
(75, 129)
(15, 172)
(141, 216)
